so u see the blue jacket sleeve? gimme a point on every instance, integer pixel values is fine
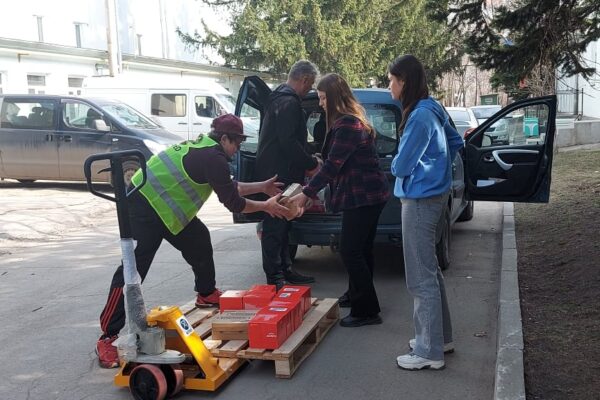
(412, 147)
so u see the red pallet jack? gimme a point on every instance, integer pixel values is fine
(161, 353)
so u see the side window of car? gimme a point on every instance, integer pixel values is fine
(79, 115)
(523, 126)
(206, 106)
(168, 104)
(385, 122)
(27, 114)
(251, 119)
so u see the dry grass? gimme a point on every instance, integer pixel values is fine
(559, 277)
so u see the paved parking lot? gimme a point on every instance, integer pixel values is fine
(58, 249)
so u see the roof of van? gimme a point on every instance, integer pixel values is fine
(152, 83)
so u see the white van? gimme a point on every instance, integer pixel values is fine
(185, 108)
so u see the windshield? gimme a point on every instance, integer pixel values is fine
(129, 117)
(485, 113)
(458, 115)
(227, 101)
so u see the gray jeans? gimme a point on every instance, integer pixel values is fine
(424, 278)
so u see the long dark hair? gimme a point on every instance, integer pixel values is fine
(341, 101)
(409, 70)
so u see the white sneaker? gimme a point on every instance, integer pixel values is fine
(413, 361)
(448, 347)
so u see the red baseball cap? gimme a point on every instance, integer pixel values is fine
(228, 124)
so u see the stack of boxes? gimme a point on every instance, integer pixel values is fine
(277, 316)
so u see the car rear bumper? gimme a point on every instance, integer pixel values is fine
(328, 234)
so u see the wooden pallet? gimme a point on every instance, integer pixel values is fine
(317, 322)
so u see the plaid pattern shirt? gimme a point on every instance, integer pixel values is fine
(351, 167)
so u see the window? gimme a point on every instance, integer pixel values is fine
(40, 27)
(384, 119)
(129, 117)
(80, 115)
(75, 85)
(36, 84)
(523, 126)
(206, 106)
(168, 105)
(78, 33)
(22, 114)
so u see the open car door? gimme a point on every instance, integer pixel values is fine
(520, 170)
(250, 106)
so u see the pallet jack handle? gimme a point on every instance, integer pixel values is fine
(116, 159)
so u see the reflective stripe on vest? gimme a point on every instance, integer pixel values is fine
(174, 196)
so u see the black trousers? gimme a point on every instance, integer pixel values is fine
(359, 226)
(148, 230)
(275, 247)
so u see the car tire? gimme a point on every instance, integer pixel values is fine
(26, 181)
(442, 247)
(467, 213)
(293, 249)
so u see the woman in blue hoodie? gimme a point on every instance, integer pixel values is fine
(423, 171)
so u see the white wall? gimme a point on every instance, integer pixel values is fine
(591, 90)
(14, 73)
(589, 103)
(134, 17)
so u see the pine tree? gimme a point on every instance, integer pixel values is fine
(355, 38)
(525, 39)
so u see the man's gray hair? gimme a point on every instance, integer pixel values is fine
(302, 68)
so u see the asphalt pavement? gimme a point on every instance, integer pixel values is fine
(58, 250)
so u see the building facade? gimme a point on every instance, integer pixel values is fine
(51, 47)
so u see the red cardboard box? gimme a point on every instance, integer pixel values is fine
(296, 292)
(232, 300)
(269, 328)
(295, 306)
(257, 299)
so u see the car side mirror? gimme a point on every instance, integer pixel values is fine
(486, 141)
(100, 125)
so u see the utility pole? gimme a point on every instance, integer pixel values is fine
(112, 39)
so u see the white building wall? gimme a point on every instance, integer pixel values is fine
(14, 72)
(154, 20)
(135, 17)
(591, 89)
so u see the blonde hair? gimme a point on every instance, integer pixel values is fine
(341, 101)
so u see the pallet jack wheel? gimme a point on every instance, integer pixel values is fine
(174, 376)
(148, 382)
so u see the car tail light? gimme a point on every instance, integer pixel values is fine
(468, 133)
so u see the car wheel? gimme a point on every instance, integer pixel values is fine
(26, 181)
(293, 249)
(467, 213)
(442, 247)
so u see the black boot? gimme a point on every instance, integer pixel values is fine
(277, 280)
(295, 278)
(344, 300)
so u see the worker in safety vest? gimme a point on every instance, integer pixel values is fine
(179, 181)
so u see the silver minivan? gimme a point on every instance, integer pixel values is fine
(45, 137)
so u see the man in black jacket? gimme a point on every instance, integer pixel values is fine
(282, 150)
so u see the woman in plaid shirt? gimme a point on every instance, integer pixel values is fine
(358, 188)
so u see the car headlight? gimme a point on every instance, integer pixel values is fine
(154, 147)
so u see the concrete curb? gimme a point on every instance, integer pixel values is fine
(509, 382)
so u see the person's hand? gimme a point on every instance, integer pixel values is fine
(274, 209)
(316, 169)
(271, 187)
(299, 201)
